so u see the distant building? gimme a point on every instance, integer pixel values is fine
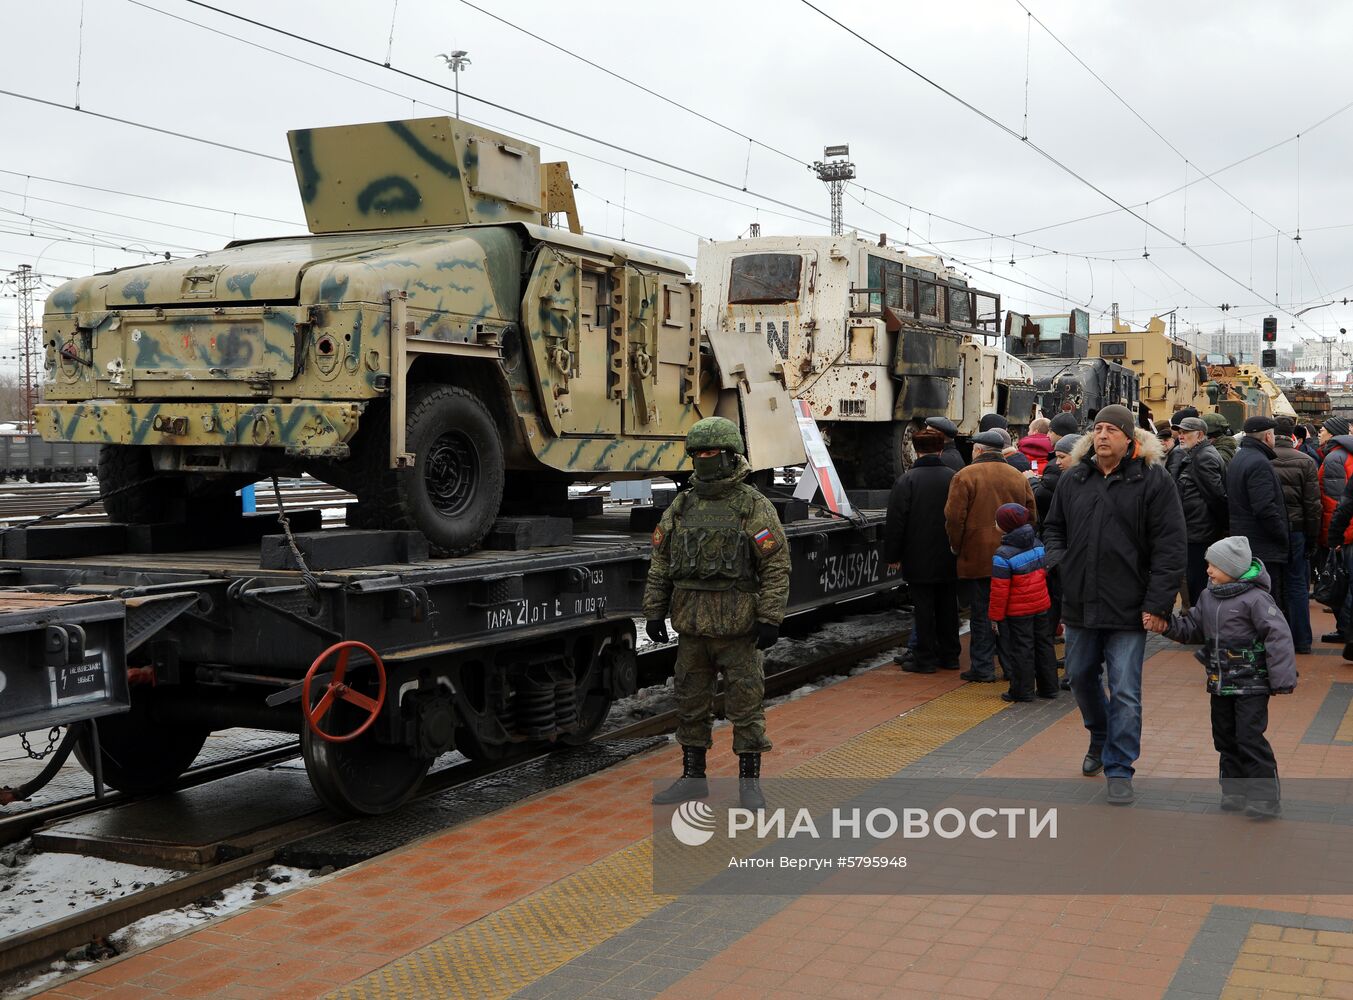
(1243, 345)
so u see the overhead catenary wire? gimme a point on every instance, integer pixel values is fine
(1049, 157)
(665, 164)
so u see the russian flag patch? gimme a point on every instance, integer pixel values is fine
(764, 539)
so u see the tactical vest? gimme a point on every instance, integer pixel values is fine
(708, 548)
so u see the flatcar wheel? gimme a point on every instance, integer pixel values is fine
(140, 756)
(591, 717)
(361, 777)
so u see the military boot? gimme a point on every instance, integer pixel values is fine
(749, 781)
(691, 784)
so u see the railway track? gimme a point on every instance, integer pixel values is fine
(43, 943)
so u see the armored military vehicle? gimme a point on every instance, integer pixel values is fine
(429, 346)
(873, 338)
(1169, 375)
(1055, 347)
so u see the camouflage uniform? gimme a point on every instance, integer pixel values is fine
(720, 565)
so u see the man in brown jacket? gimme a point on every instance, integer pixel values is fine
(970, 519)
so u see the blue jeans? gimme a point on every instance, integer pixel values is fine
(1115, 719)
(981, 641)
(1298, 591)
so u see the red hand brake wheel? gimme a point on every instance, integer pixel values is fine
(338, 689)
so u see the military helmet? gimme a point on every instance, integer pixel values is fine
(714, 432)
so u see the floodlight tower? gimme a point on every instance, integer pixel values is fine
(834, 171)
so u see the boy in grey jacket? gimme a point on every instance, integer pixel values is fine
(1248, 655)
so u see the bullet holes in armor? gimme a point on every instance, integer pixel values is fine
(326, 355)
(510, 344)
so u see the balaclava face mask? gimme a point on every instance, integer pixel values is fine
(719, 466)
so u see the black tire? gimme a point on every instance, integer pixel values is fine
(121, 465)
(455, 489)
(140, 755)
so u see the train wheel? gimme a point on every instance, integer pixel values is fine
(360, 777)
(140, 755)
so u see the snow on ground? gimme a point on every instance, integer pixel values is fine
(38, 888)
(147, 931)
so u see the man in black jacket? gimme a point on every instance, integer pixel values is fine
(1301, 496)
(1202, 494)
(915, 542)
(1254, 497)
(950, 456)
(1116, 534)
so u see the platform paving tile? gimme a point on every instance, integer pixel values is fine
(618, 815)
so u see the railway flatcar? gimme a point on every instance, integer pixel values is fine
(29, 457)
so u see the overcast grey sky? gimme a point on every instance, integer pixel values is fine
(1220, 81)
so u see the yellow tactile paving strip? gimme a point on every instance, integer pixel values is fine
(1344, 734)
(1290, 962)
(513, 947)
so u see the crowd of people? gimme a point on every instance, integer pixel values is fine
(1103, 534)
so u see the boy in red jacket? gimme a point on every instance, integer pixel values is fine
(1019, 602)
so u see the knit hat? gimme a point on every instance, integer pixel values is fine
(1285, 426)
(1336, 425)
(992, 420)
(1010, 516)
(988, 439)
(1257, 425)
(1067, 443)
(1230, 555)
(1193, 424)
(1065, 423)
(1120, 416)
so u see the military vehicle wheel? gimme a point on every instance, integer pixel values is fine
(881, 452)
(454, 491)
(140, 755)
(122, 465)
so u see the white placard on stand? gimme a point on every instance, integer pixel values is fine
(819, 473)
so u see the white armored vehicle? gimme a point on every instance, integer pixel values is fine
(875, 339)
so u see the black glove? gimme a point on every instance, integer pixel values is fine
(766, 634)
(657, 630)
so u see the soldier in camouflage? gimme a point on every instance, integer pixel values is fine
(721, 568)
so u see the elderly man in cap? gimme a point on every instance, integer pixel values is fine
(1254, 496)
(970, 520)
(950, 456)
(1116, 535)
(1202, 493)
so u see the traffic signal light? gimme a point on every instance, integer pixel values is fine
(1269, 359)
(1270, 329)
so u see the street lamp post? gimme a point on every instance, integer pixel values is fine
(457, 60)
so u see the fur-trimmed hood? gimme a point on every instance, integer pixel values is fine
(1148, 447)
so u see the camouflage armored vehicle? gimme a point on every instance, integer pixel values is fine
(431, 345)
(874, 339)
